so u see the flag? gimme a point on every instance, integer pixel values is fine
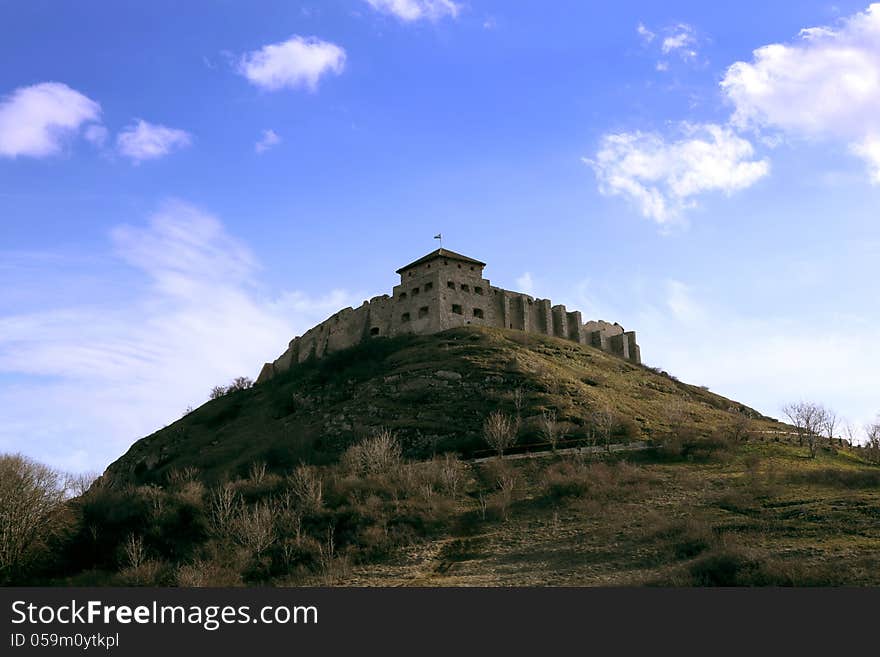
(438, 236)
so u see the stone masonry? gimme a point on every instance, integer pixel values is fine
(443, 290)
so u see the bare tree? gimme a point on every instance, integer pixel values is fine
(829, 424)
(603, 421)
(31, 495)
(851, 433)
(225, 505)
(77, 484)
(551, 429)
(255, 527)
(134, 551)
(452, 474)
(678, 417)
(307, 488)
(217, 392)
(872, 440)
(808, 419)
(519, 400)
(379, 453)
(499, 431)
(740, 428)
(257, 473)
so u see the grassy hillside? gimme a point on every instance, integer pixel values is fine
(434, 392)
(360, 469)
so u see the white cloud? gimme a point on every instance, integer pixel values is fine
(297, 62)
(84, 380)
(680, 300)
(646, 35)
(826, 84)
(96, 134)
(35, 121)
(269, 139)
(664, 177)
(148, 141)
(414, 10)
(869, 150)
(526, 283)
(680, 39)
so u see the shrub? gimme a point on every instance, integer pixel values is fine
(499, 431)
(307, 488)
(380, 453)
(254, 527)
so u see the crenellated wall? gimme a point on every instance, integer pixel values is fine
(445, 292)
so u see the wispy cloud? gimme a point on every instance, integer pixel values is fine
(526, 283)
(299, 62)
(269, 139)
(36, 121)
(679, 40)
(664, 176)
(415, 10)
(148, 141)
(826, 84)
(84, 380)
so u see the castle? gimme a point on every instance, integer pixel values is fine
(443, 290)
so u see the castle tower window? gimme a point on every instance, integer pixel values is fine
(478, 290)
(423, 311)
(415, 291)
(374, 330)
(459, 266)
(428, 286)
(465, 288)
(404, 317)
(456, 309)
(472, 268)
(450, 285)
(478, 312)
(402, 296)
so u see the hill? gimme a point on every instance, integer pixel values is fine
(368, 468)
(434, 392)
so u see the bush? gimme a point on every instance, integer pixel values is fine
(381, 453)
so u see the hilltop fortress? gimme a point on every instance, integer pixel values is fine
(443, 290)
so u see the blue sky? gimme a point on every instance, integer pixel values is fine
(185, 186)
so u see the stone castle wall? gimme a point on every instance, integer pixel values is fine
(446, 293)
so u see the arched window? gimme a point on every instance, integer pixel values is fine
(456, 309)
(478, 312)
(404, 317)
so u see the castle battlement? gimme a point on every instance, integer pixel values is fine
(444, 290)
